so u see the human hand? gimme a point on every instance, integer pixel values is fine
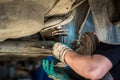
(59, 51)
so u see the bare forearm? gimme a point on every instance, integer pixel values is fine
(91, 67)
(87, 66)
(78, 64)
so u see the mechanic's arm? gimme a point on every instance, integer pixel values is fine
(91, 67)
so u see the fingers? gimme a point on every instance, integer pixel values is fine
(51, 67)
(44, 65)
(48, 66)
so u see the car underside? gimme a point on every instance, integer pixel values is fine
(29, 28)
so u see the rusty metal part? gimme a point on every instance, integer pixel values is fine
(87, 44)
(25, 49)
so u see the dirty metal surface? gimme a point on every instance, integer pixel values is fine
(106, 15)
(25, 49)
(20, 18)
